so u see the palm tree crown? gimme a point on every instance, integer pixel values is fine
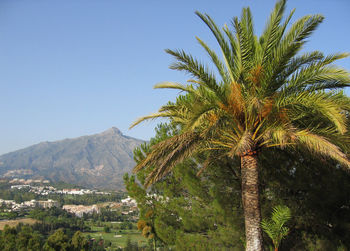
(267, 94)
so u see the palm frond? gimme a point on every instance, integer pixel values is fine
(149, 117)
(166, 154)
(319, 76)
(296, 63)
(320, 145)
(192, 66)
(288, 47)
(217, 62)
(279, 136)
(280, 215)
(274, 227)
(224, 46)
(327, 105)
(235, 64)
(246, 38)
(271, 35)
(173, 85)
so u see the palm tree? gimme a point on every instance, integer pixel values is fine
(275, 227)
(265, 94)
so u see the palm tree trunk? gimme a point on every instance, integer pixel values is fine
(251, 204)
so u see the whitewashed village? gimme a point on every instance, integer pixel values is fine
(43, 188)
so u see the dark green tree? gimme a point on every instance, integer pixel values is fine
(79, 242)
(8, 238)
(107, 229)
(58, 241)
(317, 192)
(35, 243)
(131, 246)
(22, 239)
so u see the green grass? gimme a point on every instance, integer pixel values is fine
(134, 235)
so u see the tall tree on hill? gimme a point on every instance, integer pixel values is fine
(266, 95)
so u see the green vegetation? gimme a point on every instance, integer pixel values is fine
(56, 218)
(186, 211)
(25, 237)
(275, 227)
(118, 235)
(55, 229)
(266, 97)
(86, 199)
(8, 215)
(107, 229)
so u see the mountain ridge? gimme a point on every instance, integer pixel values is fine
(98, 160)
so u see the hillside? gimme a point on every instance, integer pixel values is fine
(98, 160)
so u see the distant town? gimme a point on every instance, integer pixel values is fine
(44, 188)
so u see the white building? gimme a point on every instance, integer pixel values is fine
(80, 210)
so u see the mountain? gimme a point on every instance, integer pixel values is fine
(98, 160)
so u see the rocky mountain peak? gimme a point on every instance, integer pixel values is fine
(112, 131)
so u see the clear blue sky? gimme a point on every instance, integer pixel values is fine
(78, 67)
